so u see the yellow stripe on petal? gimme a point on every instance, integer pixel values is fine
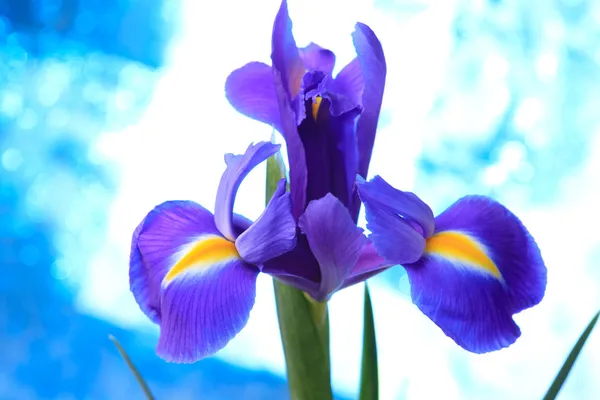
(203, 254)
(315, 106)
(463, 248)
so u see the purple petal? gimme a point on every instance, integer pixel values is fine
(273, 233)
(251, 91)
(204, 308)
(157, 239)
(511, 246)
(398, 220)
(334, 239)
(238, 166)
(331, 154)
(349, 82)
(285, 56)
(317, 58)
(297, 267)
(369, 264)
(295, 148)
(480, 267)
(372, 63)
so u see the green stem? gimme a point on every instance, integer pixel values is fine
(304, 326)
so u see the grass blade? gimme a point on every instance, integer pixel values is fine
(566, 368)
(369, 380)
(132, 367)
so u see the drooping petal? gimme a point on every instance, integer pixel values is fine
(372, 63)
(251, 91)
(285, 56)
(334, 239)
(156, 241)
(398, 221)
(273, 233)
(204, 305)
(238, 166)
(369, 264)
(316, 57)
(480, 267)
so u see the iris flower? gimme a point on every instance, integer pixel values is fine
(470, 268)
(329, 126)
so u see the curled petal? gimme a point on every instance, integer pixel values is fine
(251, 91)
(317, 58)
(204, 306)
(273, 233)
(480, 267)
(398, 220)
(238, 166)
(334, 239)
(156, 242)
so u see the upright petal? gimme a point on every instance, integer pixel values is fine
(251, 91)
(238, 166)
(285, 56)
(316, 57)
(372, 63)
(480, 267)
(204, 306)
(295, 148)
(398, 221)
(334, 239)
(273, 233)
(156, 242)
(350, 82)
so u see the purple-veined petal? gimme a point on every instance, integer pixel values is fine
(334, 239)
(369, 264)
(372, 63)
(273, 233)
(251, 91)
(285, 56)
(204, 305)
(398, 221)
(156, 241)
(316, 57)
(349, 82)
(238, 166)
(480, 267)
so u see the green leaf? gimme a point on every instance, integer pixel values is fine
(304, 325)
(566, 368)
(132, 367)
(369, 381)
